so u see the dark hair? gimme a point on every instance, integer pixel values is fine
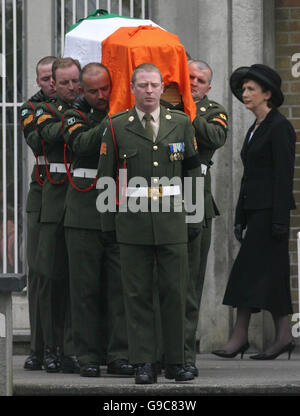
(145, 67)
(44, 61)
(93, 68)
(64, 63)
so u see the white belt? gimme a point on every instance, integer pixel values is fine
(157, 191)
(85, 173)
(58, 168)
(41, 160)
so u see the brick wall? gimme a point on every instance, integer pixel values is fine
(287, 24)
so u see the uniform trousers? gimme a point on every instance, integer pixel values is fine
(54, 296)
(197, 251)
(33, 231)
(96, 297)
(137, 276)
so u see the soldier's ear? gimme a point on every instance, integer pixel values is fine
(131, 87)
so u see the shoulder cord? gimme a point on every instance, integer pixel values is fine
(68, 167)
(118, 168)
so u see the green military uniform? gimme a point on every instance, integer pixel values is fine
(211, 131)
(52, 253)
(148, 236)
(33, 208)
(93, 263)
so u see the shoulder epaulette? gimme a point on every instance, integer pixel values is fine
(118, 114)
(172, 110)
(218, 105)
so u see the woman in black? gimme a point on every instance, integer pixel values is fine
(260, 275)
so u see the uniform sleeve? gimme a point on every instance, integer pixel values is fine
(192, 169)
(48, 124)
(107, 168)
(82, 140)
(28, 127)
(283, 156)
(211, 132)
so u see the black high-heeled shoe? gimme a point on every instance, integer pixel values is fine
(263, 356)
(225, 354)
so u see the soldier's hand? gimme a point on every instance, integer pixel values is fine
(193, 233)
(109, 237)
(238, 232)
(279, 230)
(81, 104)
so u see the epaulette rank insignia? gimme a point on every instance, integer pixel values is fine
(44, 117)
(28, 120)
(74, 127)
(220, 121)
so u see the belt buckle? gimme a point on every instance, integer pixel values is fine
(155, 191)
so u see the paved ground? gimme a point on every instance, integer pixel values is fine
(217, 377)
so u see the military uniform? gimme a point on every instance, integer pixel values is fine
(93, 263)
(52, 253)
(33, 208)
(148, 236)
(211, 125)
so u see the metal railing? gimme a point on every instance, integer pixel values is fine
(11, 148)
(69, 12)
(12, 169)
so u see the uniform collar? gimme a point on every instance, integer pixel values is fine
(155, 114)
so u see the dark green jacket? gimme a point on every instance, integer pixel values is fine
(48, 119)
(211, 126)
(34, 141)
(148, 160)
(83, 133)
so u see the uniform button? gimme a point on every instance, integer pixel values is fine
(155, 147)
(155, 163)
(155, 180)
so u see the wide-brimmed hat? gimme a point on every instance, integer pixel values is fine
(260, 73)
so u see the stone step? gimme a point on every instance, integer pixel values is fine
(216, 377)
(21, 341)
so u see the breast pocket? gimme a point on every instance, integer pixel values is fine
(129, 160)
(175, 157)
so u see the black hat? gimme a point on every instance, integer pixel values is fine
(260, 73)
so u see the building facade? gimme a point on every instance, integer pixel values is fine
(227, 34)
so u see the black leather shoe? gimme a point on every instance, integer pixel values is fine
(225, 354)
(70, 364)
(192, 369)
(178, 372)
(145, 374)
(51, 362)
(33, 362)
(90, 370)
(121, 368)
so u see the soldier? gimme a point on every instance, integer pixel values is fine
(91, 258)
(211, 125)
(152, 143)
(33, 206)
(52, 253)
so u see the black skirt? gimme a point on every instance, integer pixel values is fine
(260, 276)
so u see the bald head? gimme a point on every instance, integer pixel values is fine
(96, 85)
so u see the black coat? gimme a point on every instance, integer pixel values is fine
(259, 278)
(268, 159)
